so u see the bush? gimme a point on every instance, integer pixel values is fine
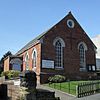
(5, 74)
(10, 74)
(57, 79)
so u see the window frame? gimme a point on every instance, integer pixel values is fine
(59, 60)
(34, 63)
(82, 57)
(26, 61)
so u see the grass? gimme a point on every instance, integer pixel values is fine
(68, 87)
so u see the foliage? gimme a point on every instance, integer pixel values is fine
(7, 54)
(10, 74)
(4, 56)
(57, 78)
(20, 97)
(5, 74)
(1, 69)
(2, 60)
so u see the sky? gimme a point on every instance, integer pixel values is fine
(23, 20)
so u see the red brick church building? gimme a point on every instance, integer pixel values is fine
(63, 49)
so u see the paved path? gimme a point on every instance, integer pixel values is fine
(65, 96)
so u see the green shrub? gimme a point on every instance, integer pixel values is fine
(16, 73)
(57, 79)
(5, 73)
(10, 74)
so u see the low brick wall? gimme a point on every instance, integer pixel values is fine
(13, 91)
(9, 91)
(2, 79)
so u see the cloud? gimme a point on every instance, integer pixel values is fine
(96, 41)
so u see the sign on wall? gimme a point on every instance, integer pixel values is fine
(47, 64)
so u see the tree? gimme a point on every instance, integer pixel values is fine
(7, 54)
(2, 60)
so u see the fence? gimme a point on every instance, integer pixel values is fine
(68, 87)
(88, 88)
(79, 89)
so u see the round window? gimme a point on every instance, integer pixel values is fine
(70, 23)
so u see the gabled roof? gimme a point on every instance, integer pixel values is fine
(31, 43)
(36, 40)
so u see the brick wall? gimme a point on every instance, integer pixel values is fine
(6, 64)
(38, 64)
(72, 37)
(13, 92)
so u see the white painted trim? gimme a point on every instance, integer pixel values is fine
(60, 39)
(85, 46)
(26, 55)
(85, 49)
(70, 20)
(34, 50)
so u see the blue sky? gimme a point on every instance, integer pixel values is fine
(23, 20)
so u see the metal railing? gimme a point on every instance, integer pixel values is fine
(88, 88)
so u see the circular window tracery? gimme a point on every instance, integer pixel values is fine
(70, 23)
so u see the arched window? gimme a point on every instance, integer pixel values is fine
(82, 54)
(59, 44)
(27, 61)
(34, 57)
(82, 49)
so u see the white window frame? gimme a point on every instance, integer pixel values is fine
(83, 54)
(34, 63)
(27, 61)
(59, 51)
